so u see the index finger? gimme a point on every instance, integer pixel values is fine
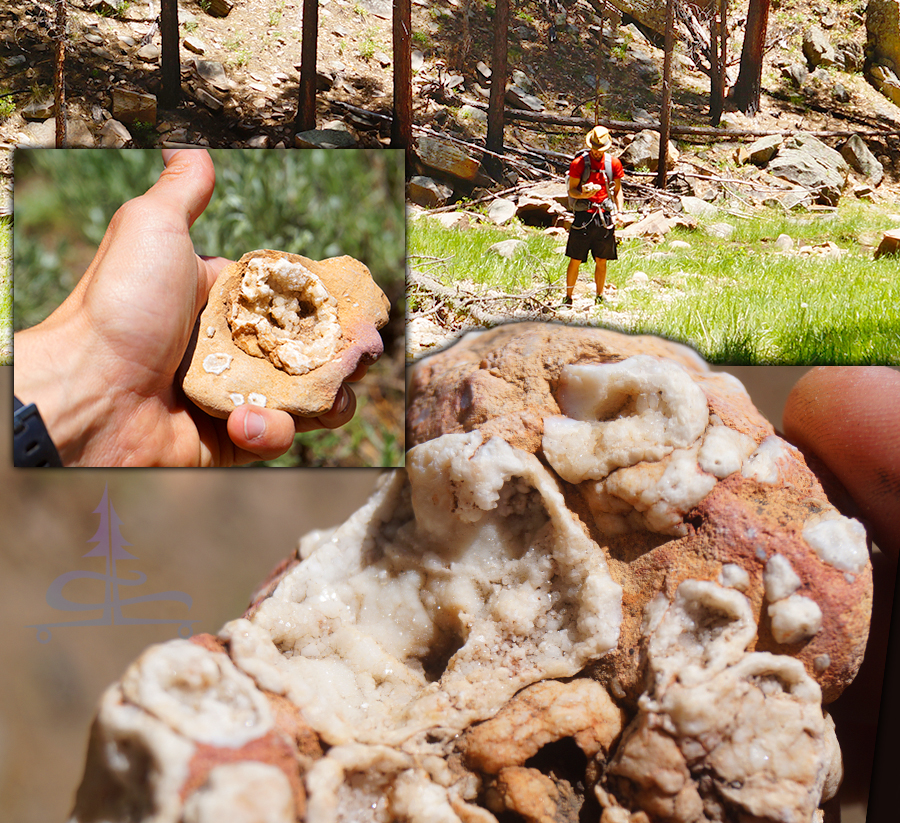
(848, 417)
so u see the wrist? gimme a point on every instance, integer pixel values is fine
(57, 377)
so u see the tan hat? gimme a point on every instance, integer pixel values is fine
(598, 138)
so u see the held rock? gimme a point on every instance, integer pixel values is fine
(284, 332)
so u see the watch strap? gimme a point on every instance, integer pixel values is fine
(32, 445)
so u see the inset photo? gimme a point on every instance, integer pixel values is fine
(197, 307)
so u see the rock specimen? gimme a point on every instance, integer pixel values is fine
(283, 331)
(602, 589)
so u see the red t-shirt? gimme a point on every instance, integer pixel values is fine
(597, 174)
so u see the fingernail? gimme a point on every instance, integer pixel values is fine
(254, 426)
(345, 401)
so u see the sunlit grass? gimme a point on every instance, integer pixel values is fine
(736, 302)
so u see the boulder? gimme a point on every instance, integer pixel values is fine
(808, 162)
(643, 152)
(840, 94)
(501, 210)
(861, 159)
(883, 32)
(43, 135)
(453, 220)
(886, 81)
(194, 44)
(428, 192)
(324, 139)
(890, 244)
(761, 151)
(469, 112)
(724, 231)
(448, 159)
(209, 100)
(218, 8)
(114, 135)
(536, 209)
(133, 107)
(791, 199)
(518, 98)
(39, 109)
(817, 48)
(797, 73)
(213, 72)
(507, 248)
(697, 207)
(655, 224)
(284, 332)
(149, 53)
(784, 242)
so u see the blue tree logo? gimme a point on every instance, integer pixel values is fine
(111, 545)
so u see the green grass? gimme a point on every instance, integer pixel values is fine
(737, 302)
(369, 44)
(7, 104)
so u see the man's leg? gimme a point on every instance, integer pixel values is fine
(572, 276)
(600, 274)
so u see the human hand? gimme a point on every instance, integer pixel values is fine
(102, 368)
(848, 419)
(847, 423)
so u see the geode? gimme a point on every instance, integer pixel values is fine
(602, 589)
(282, 331)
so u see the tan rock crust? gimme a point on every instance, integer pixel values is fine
(602, 589)
(282, 331)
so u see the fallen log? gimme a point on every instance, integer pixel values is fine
(696, 131)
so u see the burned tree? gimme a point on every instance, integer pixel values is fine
(401, 126)
(498, 82)
(60, 79)
(171, 60)
(749, 83)
(306, 108)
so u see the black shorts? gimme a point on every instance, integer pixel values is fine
(588, 234)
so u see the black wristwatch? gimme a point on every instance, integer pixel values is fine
(32, 445)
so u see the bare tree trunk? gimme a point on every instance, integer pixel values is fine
(749, 83)
(665, 112)
(718, 60)
(306, 107)
(498, 84)
(60, 91)
(170, 95)
(401, 125)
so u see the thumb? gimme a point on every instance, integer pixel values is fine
(186, 184)
(260, 434)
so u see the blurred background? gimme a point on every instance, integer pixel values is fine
(316, 203)
(212, 534)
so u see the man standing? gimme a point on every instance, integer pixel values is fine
(592, 174)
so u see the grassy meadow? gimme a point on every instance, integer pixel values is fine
(736, 301)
